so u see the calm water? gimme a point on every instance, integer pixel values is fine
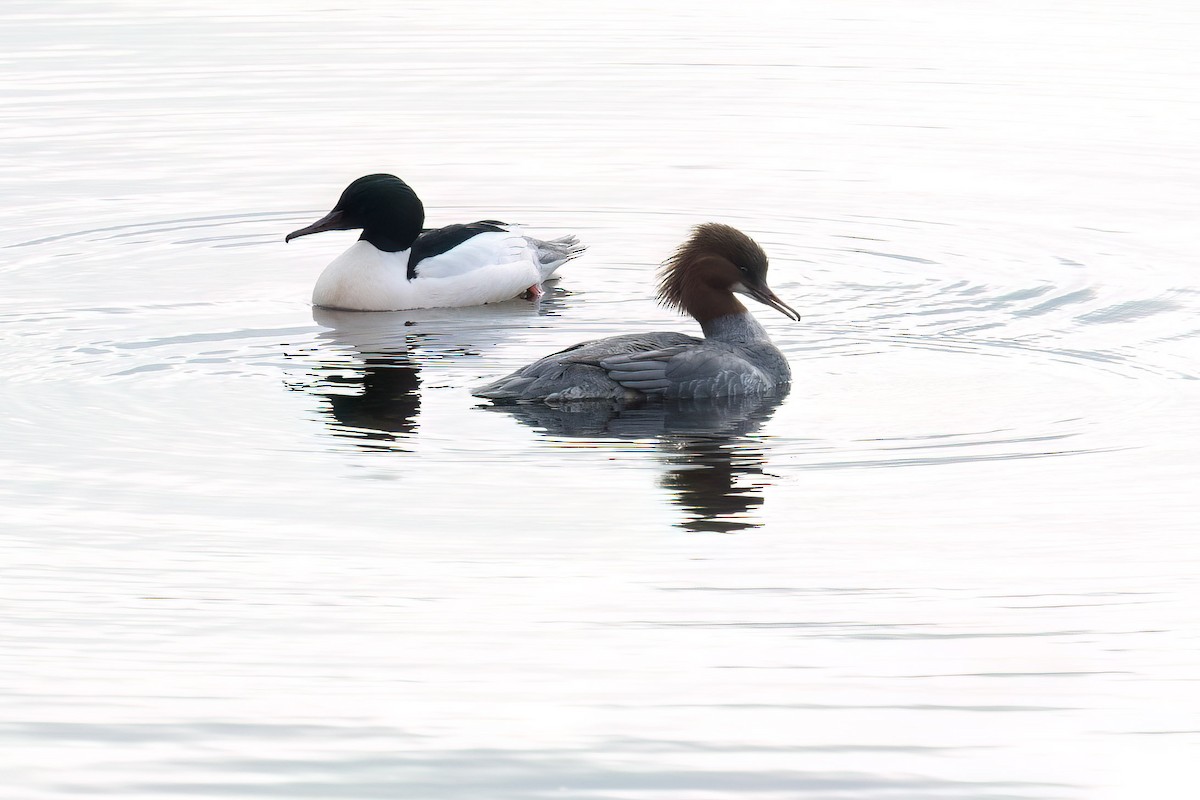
(255, 551)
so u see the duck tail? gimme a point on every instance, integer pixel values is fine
(554, 253)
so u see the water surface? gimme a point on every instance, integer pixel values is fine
(255, 550)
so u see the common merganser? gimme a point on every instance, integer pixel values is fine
(735, 356)
(397, 265)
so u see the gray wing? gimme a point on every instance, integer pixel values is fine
(577, 372)
(597, 350)
(689, 371)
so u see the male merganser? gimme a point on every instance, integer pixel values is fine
(735, 356)
(396, 265)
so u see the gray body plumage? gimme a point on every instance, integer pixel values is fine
(735, 357)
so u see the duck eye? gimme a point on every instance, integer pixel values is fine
(744, 270)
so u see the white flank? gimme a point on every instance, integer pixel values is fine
(500, 267)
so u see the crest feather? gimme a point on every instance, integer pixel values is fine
(675, 278)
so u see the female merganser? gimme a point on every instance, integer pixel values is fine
(735, 356)
(396, 265)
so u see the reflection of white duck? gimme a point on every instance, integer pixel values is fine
(395, 265)
(735, 356)
(370, 369)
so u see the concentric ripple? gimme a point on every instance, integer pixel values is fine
(919, 346)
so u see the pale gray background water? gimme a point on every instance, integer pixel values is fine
(253, 552)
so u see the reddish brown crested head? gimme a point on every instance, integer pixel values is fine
(703, 274)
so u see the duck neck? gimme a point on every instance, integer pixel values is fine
(704, 301)
(389, 242)
(740, 326)
(394, 228)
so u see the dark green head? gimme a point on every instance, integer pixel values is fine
(388, 211)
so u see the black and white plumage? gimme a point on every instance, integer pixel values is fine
(736, 356)
(397, 264)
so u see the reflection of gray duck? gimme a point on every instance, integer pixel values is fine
(715, 417)
(718, 484)
(735, 356)
(716, 462)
